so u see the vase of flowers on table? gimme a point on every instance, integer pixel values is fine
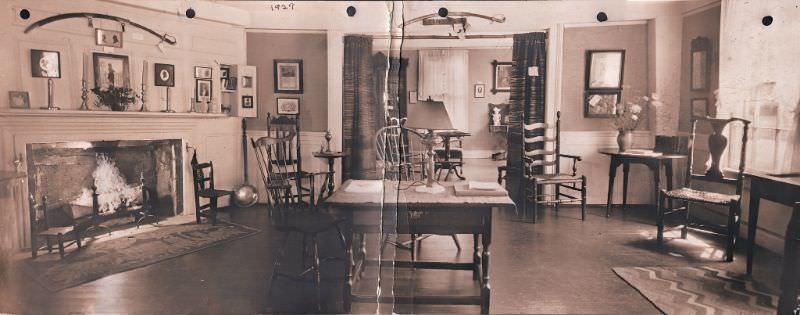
(627, 117)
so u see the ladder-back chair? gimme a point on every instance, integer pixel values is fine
(401, 156)
(283, 126)
(539, 157)
(716, 143)
(287, 213)
(203, 175)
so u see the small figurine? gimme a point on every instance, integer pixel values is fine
(496, 116)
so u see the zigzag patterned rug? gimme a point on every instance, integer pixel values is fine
(699, 290)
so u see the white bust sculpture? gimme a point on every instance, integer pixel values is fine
(496, 116)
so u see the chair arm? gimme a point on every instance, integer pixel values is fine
(570, 156)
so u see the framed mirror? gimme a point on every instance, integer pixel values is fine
(604, 69)
(700, 66)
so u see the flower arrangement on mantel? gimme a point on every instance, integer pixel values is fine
(115, 98)
(628, 116)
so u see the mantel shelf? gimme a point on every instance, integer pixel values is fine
(103, 114)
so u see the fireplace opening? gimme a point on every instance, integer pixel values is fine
(70, 173)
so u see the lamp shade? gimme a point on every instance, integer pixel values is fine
(428, 115)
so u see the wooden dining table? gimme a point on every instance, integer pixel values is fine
(400, 209)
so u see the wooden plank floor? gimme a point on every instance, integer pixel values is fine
(559, 265)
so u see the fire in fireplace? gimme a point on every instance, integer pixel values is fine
(66, 172)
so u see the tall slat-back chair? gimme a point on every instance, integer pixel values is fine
(717, 143)
(543, 168)
(401, 157)
(287, 213)
(281, 126)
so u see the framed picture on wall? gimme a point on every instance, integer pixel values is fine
(247, 101)
(165, 74)
(202, 90)
(202, 72)
(19, 99)
(600, 104)
(700, 65)
(288, 75)
(699, 107)
(45, 64)
(479, 91)
(501, 76)
(111, 70)
(604, 69)
(288, 106)
(108, 38)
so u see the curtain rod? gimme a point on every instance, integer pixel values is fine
(441, 36)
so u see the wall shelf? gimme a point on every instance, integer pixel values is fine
(104, 113)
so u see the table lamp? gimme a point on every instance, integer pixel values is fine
(430, 115)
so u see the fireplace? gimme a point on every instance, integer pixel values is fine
(67, 173)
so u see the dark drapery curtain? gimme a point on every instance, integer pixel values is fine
(361, 113)
(526, 104)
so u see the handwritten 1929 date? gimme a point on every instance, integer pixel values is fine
(282, 6)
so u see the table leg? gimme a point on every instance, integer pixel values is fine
(656, 179)
(331, 174)
(475, 258)
(790, 278)
(626, 169)
(668, 173)
(347, 288)
(486, 239)
(612, 172)
(752, 223)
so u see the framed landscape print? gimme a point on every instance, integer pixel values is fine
(45, 64)
(699, 107)
(288, 75)
(165, 74)
(600, 104)
(501, 76)
(288, 106)
(604, 69)
(111, 70)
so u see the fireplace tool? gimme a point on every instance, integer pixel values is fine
(245, 195)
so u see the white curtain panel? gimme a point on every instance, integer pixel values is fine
(443, 77)
(760, 85)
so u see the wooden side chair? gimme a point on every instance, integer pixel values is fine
(203, 175)
(688, 195)
(283, 126)
(535, 135)
(288, 214)
(401, 157)
(40, 228)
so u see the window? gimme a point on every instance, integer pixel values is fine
(442, 77)
(772, 138)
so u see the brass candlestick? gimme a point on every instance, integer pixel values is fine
(144, 98)
(328, 137)
(168, 110)
(192, 104)
(50, 95)
(84, 95)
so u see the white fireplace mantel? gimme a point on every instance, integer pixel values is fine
(216, 137)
